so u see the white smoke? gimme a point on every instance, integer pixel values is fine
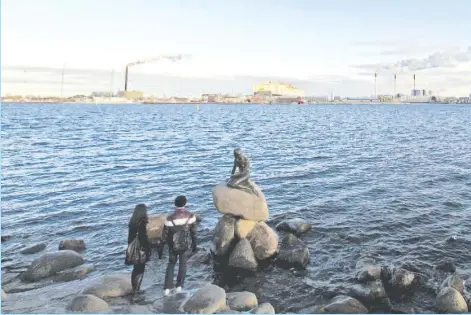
(173, 58)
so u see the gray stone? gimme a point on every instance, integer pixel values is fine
(264, 241)
(373, 294)
(450, 301)
(243, 256)
(295, 226)
(209, 299)
(201, 257)
(17, 286)
(264, 308)
(110, 286)
(77, 273)
(9, 277)
(455, 282)
(88, 304)
(446, 266)
(367, 270)
(33, 249)
(224, 234)
(241, 301)
(293, 253)
(72, 244)
(51, 263)
(402, 280)
(343, 304)
(228, 311)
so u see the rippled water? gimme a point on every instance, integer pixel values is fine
(390, 181)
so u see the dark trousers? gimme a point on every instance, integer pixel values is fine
(137, 275)
(172, 260)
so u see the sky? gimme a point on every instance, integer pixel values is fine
(321, 46)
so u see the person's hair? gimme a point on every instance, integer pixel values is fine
(139, 214)
(180, 201)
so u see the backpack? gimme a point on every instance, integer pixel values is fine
(181, 238)
(134, 253)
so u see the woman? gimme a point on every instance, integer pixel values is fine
(138, 225)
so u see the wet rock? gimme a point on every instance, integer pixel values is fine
(72, 244)
(402, 280)
(77, 273)
(209, 299)
(446, 266)
(293, 253)
(455, 282)
(228, 311)
(343, 304)
(110, 286)
(87, 304)
(372, 294)
(264, 308)
(201, 257)
(17, 286)
(198, 216)
(9, 277)
(243, 256)
(4, 295)
(241, 301)
(33, 249)
(240, 203)
(295, 226)
(224, 234)
(367, 270)
(244, 227)
(264, 241)
(5, 238)
(451, 301)
(51, 263)
(155, 227)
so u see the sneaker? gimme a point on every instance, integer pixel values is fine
(178, 289)
(166, 292)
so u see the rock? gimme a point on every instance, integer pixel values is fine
(77, 273)
(207, 300)
(446, 266)
(110, 286)
(51, 263)
(155, 227)
(17, 286)
(88, 304)
(201, 257)
(9, 277)
(372, 294)
(33, 249)
(73, 244)
(293, 253)
(264, 241)
(244, 227)
(455, 282)
(343, 304)
(402, 280)
(367, 270)
(264, 308)
(228, 311)
(198, 216)
(295, 226)
(450, 301)
(243, 256)
(5, 238)
(241, 301)
(224, 234)
(4, 295)
(240, 203)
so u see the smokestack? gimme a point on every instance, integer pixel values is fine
(126, 79)
(376, 96)
(395, 86)
(414, 81)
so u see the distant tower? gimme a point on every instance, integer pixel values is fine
(376, 95)
(395, 85)
(414, 81)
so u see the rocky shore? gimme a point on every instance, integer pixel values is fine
(254, 265)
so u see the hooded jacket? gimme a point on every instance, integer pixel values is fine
(180, 218)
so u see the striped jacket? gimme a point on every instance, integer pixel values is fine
(180, 218)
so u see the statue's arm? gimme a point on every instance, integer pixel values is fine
(234, 168)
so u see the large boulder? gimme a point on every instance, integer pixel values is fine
(244, 227)
(33, 249)
(343, 304)
(293, 253)
(77, 273)
(241, 301)
(402, 280)
(224, 234)
(450, 301)
(264, 308)
(367, 270)
(72, 244)
(88, 304)
(455, 282)
(243, 256)
(51, 263)
(155, 227)
(264, 241)
(240, 203)
(446, 265)
(110, 286)
(372, 294)
(207, 300)
(295, 226)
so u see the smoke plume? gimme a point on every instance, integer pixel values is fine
(172, 58)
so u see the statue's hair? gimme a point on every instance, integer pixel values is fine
(237, 151)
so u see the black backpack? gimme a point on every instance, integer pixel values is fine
(181, 237)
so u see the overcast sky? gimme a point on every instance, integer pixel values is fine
(320, 46)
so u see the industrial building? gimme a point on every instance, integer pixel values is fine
(277, 89)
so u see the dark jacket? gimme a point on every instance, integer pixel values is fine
(143, 238)
(180, 218)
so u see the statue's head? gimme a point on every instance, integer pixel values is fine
(237, 152)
